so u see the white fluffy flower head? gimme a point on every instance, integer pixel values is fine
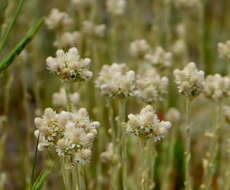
(69, 66)
(60, 98)
(224, 50)
(71, 135)
(57, 19)
(190, 80)
(90, 29)
(147, 125)
(151, 87)
(116, 7)
(217, 87)
(68, 39)
(226, 110)
(139, 48)
(160, 58)
(116, 80)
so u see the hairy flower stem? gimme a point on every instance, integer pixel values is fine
(122, 141)
(69, 103)
(209, 167)
(148, 162)
(187, 153)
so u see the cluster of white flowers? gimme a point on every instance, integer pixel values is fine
(90, 29)
(57, 19)
(217, 87)
(116, 7)
(224, 50)
(151, 87)
(69, 66)
(173, 115)
(82, 3)
(60, 98)
(226, 110)
(109, 156)
(116, 80)
(2, 120)
(71, 135)
(139, 48)
(160, 58)
(68, 39)
(190, 81)
(147, 125)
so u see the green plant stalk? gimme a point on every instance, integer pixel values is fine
(6, 61)
(212, 153)
(122, 141)
(167, 180)
(11, 26)
(81, 177)
(187, 153)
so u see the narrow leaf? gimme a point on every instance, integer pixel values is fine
(20, 46)
(40, 181)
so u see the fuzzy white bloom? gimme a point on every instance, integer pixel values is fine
(147, 125)
(116, 80)
(109, 156)
(190, 80)
(187, 3)
(90, 29)
(151, 87)
(71, 135)
(173, 115)
(60, 98)
(68, 39)
(3, 120)
(179, 47)
(82, 3)
(57, 19)
(116, 7)
(217, 87)
(139, 48)
(224, 50)
(69, 66)
(160, 58)
(226, 110)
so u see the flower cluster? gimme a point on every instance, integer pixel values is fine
(69, 66)
(82, 3)
(60, 98)
(91, 29)
(116, 80)
(109, 156)
(139, 48)
(217, 87)
(147, 125)
(173, 115)
(68, 39)
(190, 81)
(57, 19)
(226, 110)
(151, 86)
(187, 4)
(116, 7)
(71, 135)
(160, 58)
(224, 50)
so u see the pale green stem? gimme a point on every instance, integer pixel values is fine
(122, 141)
(65, 175)
(213, 150)
(81, 178)
(187, 153)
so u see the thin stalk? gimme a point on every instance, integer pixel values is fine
(187, 153)
(213, 150)
(65, 175)
(81, 178)
(67, 91)
(122, 137)
(11, 26)
(152, 155)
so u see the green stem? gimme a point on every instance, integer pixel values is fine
(187, 153)
(122, 137)
(212, 153)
